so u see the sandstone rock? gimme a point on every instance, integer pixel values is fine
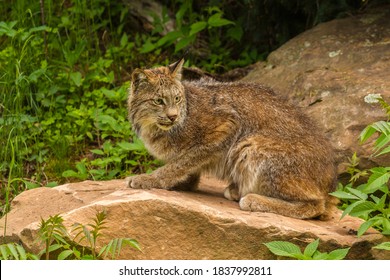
(329, 69)
(180, 225)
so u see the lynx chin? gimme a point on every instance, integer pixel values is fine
(273, 156)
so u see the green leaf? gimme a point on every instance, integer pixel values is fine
(52, 184)
(363, 209)
(107, 146)
(136, 146)
(236, 33)
(60, 237)
(76, 253)
(132, 242)
(385, 225)
(169, 38)
(87, 257)
(69, 173)
(124, 40)
(97, 151)
(378, 178)
(13, 251)
(89, 134)
(216, 20)
(4, 252)
(64, 254)
(81, 168)
(338, 254)
(344, 195)
(365, 226)
(21, 252)
(182, 11)
(7, 28)
(114, 247)
(357, 193)
(54, 247)
(382, 126)
(320, 256)
(366, 133)
(383, 246)
(350, 208)
(39, 29)
(108, 120)
(72, 56)
(311, 248)
(76, 78)
(31, 185)
(148, 46)
(184, 42)
(284, 248)
(382, 141)
(110, 94)
(34, 76)
(197, 27)
(98, 172)
(384, 151)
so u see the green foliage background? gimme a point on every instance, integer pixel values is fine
(65, 68)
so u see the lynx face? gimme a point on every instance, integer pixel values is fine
(157, 98)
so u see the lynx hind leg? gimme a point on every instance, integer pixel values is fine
(267, 184)
(294, 209)
(231, 192)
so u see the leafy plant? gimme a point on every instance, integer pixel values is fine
(383, 246)
(381, 145)
(58, 241)
(186, 31)
(113, 159)
(52, 233)
(370, 201)
(288, 249)
(91, 232)
(14, 251)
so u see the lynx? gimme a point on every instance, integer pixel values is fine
(271, 154)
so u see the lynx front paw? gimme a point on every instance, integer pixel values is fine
(231, 193)
(246, 203)
(143, 181)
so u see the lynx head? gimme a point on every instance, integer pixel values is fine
(157, 98)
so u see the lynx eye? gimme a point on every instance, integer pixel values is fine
(158, 101)
(177, 99)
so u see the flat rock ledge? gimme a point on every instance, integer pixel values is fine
(179, 225)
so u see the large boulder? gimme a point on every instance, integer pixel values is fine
(179, 225)
(328, 71)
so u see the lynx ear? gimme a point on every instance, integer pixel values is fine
(176, 68)
(137, 77)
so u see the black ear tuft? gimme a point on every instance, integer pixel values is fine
(176, 68)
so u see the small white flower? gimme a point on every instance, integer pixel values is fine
(372, 98)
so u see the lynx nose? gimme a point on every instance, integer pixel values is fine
(171, 114)
(172, 117)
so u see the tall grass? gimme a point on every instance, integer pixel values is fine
(19, 109)
(63, 67)
(36, 66)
